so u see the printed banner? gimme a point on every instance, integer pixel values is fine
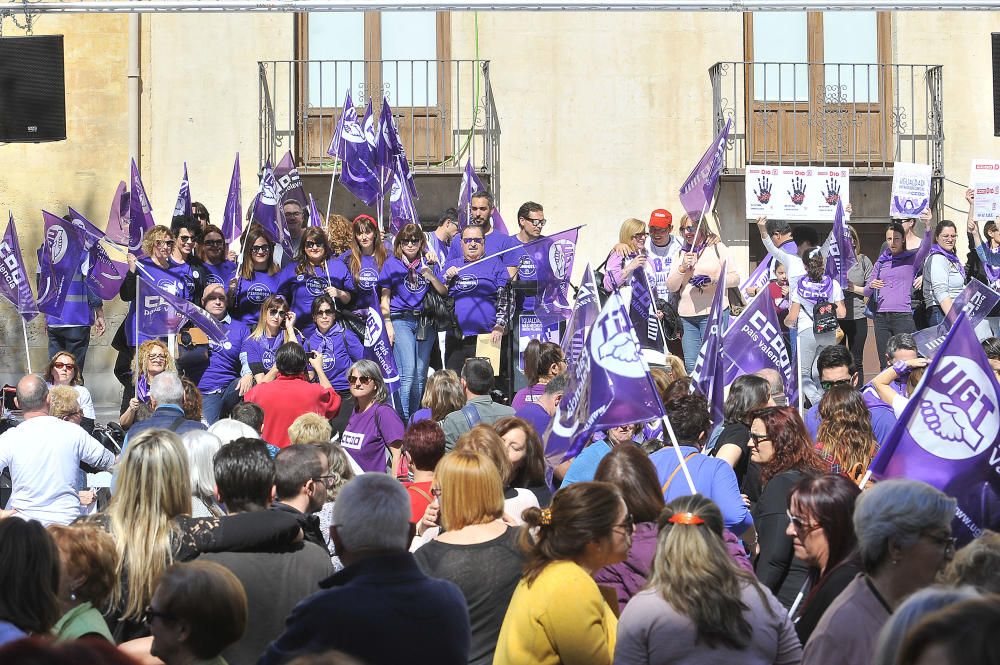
(585, 310)
(796, 192)
(698, 190)
(707, 376)
(13, 277)
(552, 258)
(378, 349)
(911, 189)
(984, 179)
(531, 327)
(60, 260)
(976, 300)
(162, 312)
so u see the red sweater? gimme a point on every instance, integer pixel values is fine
(285, 399)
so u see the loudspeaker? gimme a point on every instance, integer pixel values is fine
(996, 83)
(32, 89)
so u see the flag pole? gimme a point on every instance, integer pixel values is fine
(329, 196)
(27, 353)
(680, 458)
(798, 369)
(511, 249)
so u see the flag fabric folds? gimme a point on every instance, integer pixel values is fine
(59, 260)
(707, 376)
(470, 185)
(552, 258)
(266, 212)
(140, 213)
(104, 274)
(586, 307)
(838, 249)
(643, 313)
(698, 190)
(378, 349)
(949, 433)
(161, 312)
(402, 211)
(351, 146)
(315, 219)
(976, 300)
(232, 216)
(14, 285)
(183, 205)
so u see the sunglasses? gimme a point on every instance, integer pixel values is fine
(185, 240)
(164, 243)
(260, 249)
(640, 236)
(201, 215)
(277, 312)
(325, 312)
(156, 356)
(312, 244)
(628, 525)
(688, 229)
(149, 614)
(62, 365)
(827, 385)
(758, 439)
(214, 243)
(409, 241)
(361, 380)
(537, 223)
(801, 527)
(472, 241)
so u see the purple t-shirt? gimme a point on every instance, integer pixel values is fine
(224, 359)
(340, 348)
(526, 272)
(176, 279)
(439, 248)
(495, 242)
(366, 291)
(251, 294)
(475, 292)
(407, 291)
(301, 289)
(367, 436)
(220, 274)
(527, 395)
(535, 415)
(260, 352)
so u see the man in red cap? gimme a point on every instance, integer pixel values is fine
(663, 248)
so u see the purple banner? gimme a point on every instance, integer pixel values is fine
(315, 219)
(59, 260)
(754, 342)
(609, 385)
(161, 312)
(401, 208)
(232, 216)
(838, 249)
(585, 310)
(947, 435)
(140, 213)
(470, 185)
(13, 277)
(552, 258)
(104, 274)
(707, 376)
(378, 349)
(183, 205)
(976, 300)
(698, 190)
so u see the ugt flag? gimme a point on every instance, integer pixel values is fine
(59, 260)
(232, 216)
(707, 376)
(585, 310)
(949, 433)
(13, 277)
(140, 213)
(609, 385)
(378, 350)
(643, 313)
(699, 188)
(470, 185)
(551, 260)
(161, 312)
(838, 249)
(754, 342)
(265, 212)
(183, 205)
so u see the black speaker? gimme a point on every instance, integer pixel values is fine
(996, 83)
(32, 89)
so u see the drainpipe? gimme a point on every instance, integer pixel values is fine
(134, 86)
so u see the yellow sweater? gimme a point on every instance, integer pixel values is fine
(560, 618)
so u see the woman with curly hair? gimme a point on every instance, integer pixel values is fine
(780, 444)
(152, 358)
(845, 440)
(338, 231)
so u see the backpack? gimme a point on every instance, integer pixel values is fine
(824, 317)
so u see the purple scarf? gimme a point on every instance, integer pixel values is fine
(815, 292)
(142, 387)
(992, 272)
(938, 249)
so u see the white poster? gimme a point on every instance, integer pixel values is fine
(911, 189)
(984, 179)
(803, 193)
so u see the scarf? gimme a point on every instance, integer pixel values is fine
(815, 291)
(413, 278)
(142, 387)
(938, 249)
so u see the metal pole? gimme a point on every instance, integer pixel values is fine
(27, 353)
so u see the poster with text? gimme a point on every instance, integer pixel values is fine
(830, 186)
(801, 193)
(911, 189)
(760, 184)
(531, 327)
(984, 180)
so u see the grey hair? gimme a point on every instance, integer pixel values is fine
(201, 447)
(897, 511)
(372, 512)
(908, 614)
(371, 370)
(777, 226)
(32, 391)
(557, 384)
(166, 388)
(229, 430)
(776, 383)
(903, 341)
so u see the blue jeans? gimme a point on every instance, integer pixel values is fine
(935, 315)
(694, 334)
(412, 358)
(214, 405)
(73, 339)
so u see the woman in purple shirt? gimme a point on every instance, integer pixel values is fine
(476, 286)
(405, 277)
(212, 252)
(227, 376)
(275, 327)
(543, 361)
(316, 272)
(374, 432)
(365, 260)
(257, 279)
(339, 347)
(891, 283)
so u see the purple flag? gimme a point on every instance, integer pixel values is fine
(383, 149)
(161, 312)
(707, 376)
(699, 188)
(643, 314)
(976, 300)
(947, 435)
(401, 208)
(396, 148)
(13, 277)
(104, 274)
(140, 213)
(59, 260)
(117, 230)
(608, 385)
(338, 146)
(838, 249)
(232, 216)
(289, 182)
(552, 259)
(357, 172)
(315, 219)
(470, 185)
(265, 211)
(378, 349)
(754, 342)
(183, 205)
(585, 310)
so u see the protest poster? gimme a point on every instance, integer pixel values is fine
(531, 327)
(984, 180)
(911, 189)
(795, 193)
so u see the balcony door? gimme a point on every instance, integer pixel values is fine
(403, 56)
(818, 87)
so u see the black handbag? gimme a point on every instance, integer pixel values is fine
(439, 312)
(352, 322)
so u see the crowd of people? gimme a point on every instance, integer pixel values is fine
(274, 500)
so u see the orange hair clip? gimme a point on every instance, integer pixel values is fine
(685, 518)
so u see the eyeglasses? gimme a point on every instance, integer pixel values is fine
(62, 365)
(164, 243)
(156, 356)
(297, 213)
(409, 241)
(436, 493)
(214, 243)
(74, 414)
(800, 525)
(947, 542)
(640, 236)
(472, 241)
(628, 525)
(325, 479)
(185, 240)
(757, 439)
(537, 223)
(312, 244)
(281, 313)
(325, 312)
(826, 385)
(688, 229)
(149, 614)
(217, 296)
(360, 380)
(260, 249)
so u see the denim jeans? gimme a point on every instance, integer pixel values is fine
(215, 405)
(888, 324)
(935, 315)
(694, 334)
(73, 339)
(412, 358)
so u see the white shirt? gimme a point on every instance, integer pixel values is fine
(44, 455)
(659, 262)
(794, 267)
(85, 401)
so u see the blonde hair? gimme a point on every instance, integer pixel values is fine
(63, 401)
(471, 490)
(338, 230)
(677, 367)
(484, 439)
(273, 301)
(141, 360)
(629, 228)
(310, 428)
(154, 487)
(153, 236)
(443, 394)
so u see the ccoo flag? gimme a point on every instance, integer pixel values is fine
(60, 259)
(551, 260)
(183, 205)
(949, 433)
(13, 277)
(470, 185)
(976, 301)
(707, 376)
(585, 310)
(699, 188)
(838, 249)
(609, 385)
(140, 213)
(161, 312)
(232, 216)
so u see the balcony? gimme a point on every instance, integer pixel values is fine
(859, 116)
(444, 110)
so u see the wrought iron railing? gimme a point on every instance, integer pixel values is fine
(861, 116)
(444, 109)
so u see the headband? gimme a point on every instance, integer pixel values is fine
(685, 518)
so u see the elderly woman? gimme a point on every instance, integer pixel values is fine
(201, 447)
(341, 471)
(152, 358)
(904, 537)
(316, 272)
(87, 577)
(374, 433)
(910, 614)
(63, 370)
(310, 428)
